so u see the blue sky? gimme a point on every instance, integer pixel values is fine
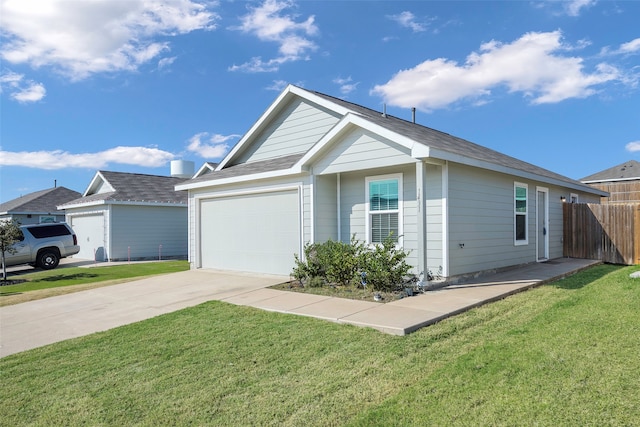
(127, 85)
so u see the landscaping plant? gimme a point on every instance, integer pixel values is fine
(381, 267)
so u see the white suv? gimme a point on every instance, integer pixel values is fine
(43, 245)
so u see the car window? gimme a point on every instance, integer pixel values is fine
(49, 231)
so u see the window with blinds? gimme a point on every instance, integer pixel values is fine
(384, 203)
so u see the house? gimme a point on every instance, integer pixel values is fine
(130, 216)
(314, 167)
(622, 182)
(38, 207)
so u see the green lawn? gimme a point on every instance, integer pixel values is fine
(561, 354)
(42, 284)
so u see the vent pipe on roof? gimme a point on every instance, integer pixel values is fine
(384, 110)
(55, 183)
(413, 114)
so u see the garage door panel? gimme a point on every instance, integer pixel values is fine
(255, 233)
(89, 230)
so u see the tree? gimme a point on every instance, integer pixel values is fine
(10, 233)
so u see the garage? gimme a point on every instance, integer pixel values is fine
(253, 232)
(90, 232)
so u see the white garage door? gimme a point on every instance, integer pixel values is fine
(253, 233)
(90, 232)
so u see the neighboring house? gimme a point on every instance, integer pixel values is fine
(314, 168)
(38, 207)
(622, 182)
(124, 216)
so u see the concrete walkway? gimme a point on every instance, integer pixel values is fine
(38, 323)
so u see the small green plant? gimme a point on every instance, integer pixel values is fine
(385, 265)
(341, 263)
(331, 261)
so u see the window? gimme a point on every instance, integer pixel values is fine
(520, 213)
(573, 198)
(49, 231)
(384, 207)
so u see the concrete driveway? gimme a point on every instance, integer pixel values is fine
(46, 321)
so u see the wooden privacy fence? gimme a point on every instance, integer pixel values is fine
(609, 232)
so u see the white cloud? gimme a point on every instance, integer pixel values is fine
(21, 89)
(80, 38)
(574, 7)
(278, 85)
(346, 85)
(269, 24)
(408, 20)
(533, 65)
(630, 47)
(633, 146)
(58, 159)
(166, 62)
(216, 147)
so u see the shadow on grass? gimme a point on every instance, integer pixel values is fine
(585, 277)
(67, 277)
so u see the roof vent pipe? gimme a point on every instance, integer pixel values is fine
(413, 114)
(384, 110)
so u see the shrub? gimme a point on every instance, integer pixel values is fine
(334, 262)
(342, 263)
(385, 266)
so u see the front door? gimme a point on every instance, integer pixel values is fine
(542, 224)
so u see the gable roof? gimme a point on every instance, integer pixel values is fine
(423, 142)
(39, 202)
(130, 188)
(623, 172)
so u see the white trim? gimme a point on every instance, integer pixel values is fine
(123, 203)
(339, 207)
(312, 209)
(573, 196)
(524, 242)
(545, 191)
(400, 211)
(445, 219)
(238, 179)
(597, 181)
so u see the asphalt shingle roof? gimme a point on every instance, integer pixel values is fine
(625, 171)
(40, 201)
(135, 187)
(419, 133)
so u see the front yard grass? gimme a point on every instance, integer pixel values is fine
(43, 284)
(561, 354)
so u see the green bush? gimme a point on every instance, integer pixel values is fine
(385, 266)
(334, 262)
(342, 263)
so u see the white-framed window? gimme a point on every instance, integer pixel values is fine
(384, 207)
(521, 213)
(573, 198)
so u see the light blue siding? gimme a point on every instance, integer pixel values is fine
(298, 127)
(362, 150)
(148, 232)
(326, 217)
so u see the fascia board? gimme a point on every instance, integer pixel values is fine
(121, 202)
(596, 181)
(457, 158)
(203, 169)
(275, 106)
(94, 181)
(82, 204)
(240, 179)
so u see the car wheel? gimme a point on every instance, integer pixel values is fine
(48, 260)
